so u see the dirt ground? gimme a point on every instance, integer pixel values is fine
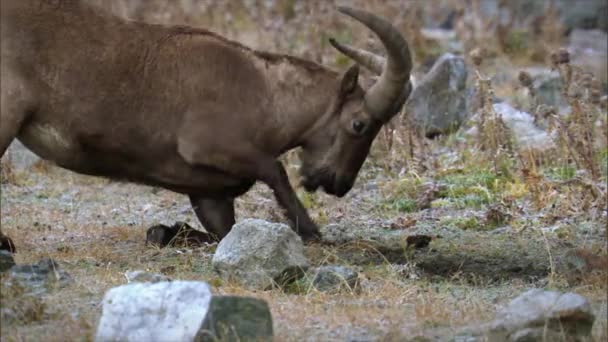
(96, 230)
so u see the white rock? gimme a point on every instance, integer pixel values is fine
(259, 254)
(164, 311)
(521, 125)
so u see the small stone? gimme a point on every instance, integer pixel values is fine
(419, 241)
(139, 276)
(536, 310)
(259, 255)
(331, 278)
(232, 318)
(39, 278)
(6, 260)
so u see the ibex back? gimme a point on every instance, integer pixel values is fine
(188, 110)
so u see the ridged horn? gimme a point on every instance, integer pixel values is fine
(370, 60)
(385, 97)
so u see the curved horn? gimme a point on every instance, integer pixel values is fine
(369, 60)
(386, 96)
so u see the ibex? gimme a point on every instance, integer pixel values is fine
(188, 110)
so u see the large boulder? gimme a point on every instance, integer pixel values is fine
(438, 103)
(180, 311)
(544, 316)
(258, 254)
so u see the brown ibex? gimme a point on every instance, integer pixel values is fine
(188, 110)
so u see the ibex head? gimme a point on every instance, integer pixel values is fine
(338, 144)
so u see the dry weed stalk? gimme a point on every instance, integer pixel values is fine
(494, 136)
(577, 131)
(533, 179)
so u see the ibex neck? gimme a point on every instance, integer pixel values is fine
(301, 93)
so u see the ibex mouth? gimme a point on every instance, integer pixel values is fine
(310, 184)
(320, 180)
(341, 188)
(329, 184)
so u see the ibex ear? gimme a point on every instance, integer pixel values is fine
(349, 80)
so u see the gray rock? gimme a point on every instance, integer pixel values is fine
(438, 104)
(259, 254)
(39, 278)
(548, 87)
(164, 311)
(139, 276)
(589, 50)
(180, 311)
(233, 318)
(6, 260)
(331, 278)
(543, 313)
(522, 127)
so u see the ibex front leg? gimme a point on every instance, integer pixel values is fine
(241, 160)
(276, 178)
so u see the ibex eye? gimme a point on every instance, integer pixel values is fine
(358, 126)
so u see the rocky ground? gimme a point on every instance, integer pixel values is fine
(437, 236)
(95, 230)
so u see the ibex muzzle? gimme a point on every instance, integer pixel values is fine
(186, 109)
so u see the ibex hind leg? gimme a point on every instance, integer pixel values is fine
(216, 215)
(16, 102)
